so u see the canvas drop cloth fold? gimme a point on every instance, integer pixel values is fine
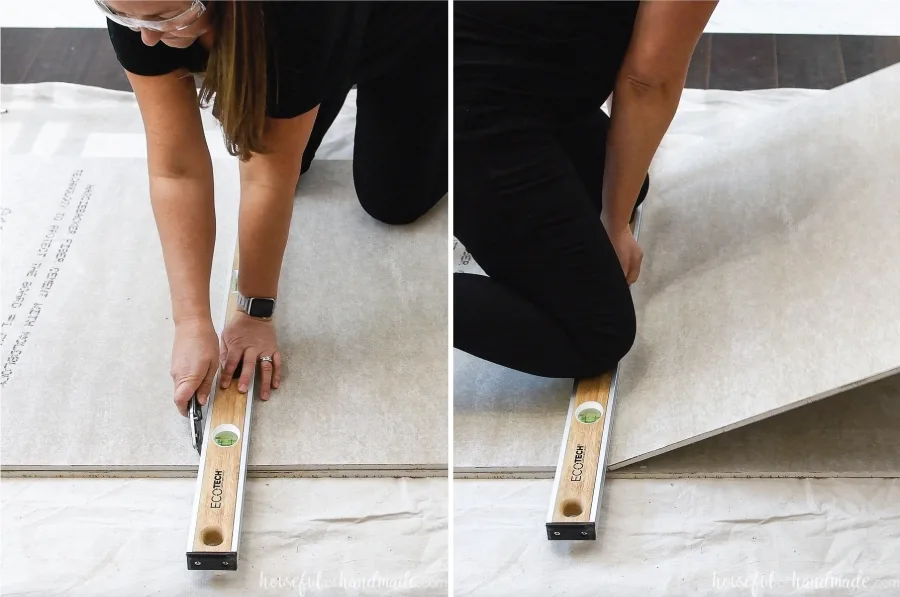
(683, 538)
(300, 537)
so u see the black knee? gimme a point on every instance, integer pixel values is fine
(390, 214)
(396, 208)
(604, 349)
(623, 338)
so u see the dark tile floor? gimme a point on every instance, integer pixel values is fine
(83, 56)
(721, 60)
(745, 61)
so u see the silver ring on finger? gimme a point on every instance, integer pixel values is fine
(265, 359)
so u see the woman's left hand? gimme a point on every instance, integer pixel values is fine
(247, 339)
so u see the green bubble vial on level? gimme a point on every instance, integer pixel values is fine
(225, 438)
(590, 415)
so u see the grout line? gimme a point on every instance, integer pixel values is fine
(775, 59)
(709, 42)
(39, 47)
(841, 59)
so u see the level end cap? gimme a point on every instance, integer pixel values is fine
(571, 531)
(204, 560)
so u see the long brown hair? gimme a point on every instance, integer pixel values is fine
(236, 74)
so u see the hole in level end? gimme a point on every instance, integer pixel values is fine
(571, 508)
(211, 536)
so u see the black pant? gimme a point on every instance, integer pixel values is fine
(400, 147)
(529, 150)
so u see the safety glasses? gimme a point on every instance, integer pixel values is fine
(176, 23)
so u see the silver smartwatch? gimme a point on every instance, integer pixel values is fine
(260, 308)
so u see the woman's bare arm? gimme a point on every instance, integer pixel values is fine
(268, 182)
(646, 95)
(181, 187)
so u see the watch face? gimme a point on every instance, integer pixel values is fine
(261, 307)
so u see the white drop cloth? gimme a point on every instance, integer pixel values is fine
(683, 537)
(316, 537)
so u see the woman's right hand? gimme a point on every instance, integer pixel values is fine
(195, 360)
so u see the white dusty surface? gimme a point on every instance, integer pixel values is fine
(684, 537)
(362, 314)
(771, 276)
(316, 537)
(747, 231)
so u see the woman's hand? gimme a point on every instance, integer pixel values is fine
(195, 360)
(629, 252)
(244, 340)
